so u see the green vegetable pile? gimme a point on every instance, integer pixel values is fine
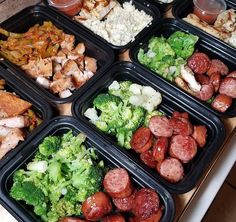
(165, 56)
(61, 176)
(116, 115)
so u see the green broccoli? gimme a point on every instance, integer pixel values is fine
(123, 92)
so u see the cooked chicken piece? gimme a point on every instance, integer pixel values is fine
(59, 57)
(10, 141)
(80, 62)
(183, 85)
(88, 74)
(69, 68)
(15, 122)
(4, 131)
(2, 83)
(61, 84)
(64, 94)
(11, 105)
(73, 56)
(79, 49)
(90, 64)
(44, 82)
(68, 42)
(40, 67)
(56, 67)
(78, 79)
(58, 75)
(189, 78)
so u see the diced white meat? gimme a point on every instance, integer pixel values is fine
(15, 122)
(4, 131)
(88, 74)
(72, 56)
(58, 75)
(70, 67)
(59, 57)
(44, 82)
(90, 64)
(10, 141)
(188, 76)
(56, 67)
(68, 42)
(78, 79)
(61, 84)
(40, 67)
(65, 94)
(79, 49)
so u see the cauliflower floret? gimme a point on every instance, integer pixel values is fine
(91, 113)
(137, 100)
(114, 86)
(135, 89)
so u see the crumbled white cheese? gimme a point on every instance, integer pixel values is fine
(121, 25)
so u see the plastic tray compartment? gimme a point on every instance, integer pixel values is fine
(59, 126)
(30, 16)
(198, 116)
(204, 44)
(144, 5)
(41, 108)
(185, 7)
(162, 6)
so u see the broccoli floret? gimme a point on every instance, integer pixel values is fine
(49, 146)
(54, 171)
(123, 92)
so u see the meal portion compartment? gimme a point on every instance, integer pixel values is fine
(185, 7)
(41, 108)
(31, 16)
(58, 127)
(145, 6)
(205, 45)
(171, 101)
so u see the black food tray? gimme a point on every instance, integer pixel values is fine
(39, 106)
(59, 126)
(185, 7)
(32, 15)
(164, 7)
(170, 102)
(204, 44)
(144, 5)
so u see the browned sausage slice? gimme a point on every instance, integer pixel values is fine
(117, 183)
(72, 219)
(146, 202)
(181, 126)
(217, 66)
(148, 159)
(200, 135)
(160, 148)
(155, 217)
(140, 138)
(206, 92)
(113, 218)
(215, 79)
(221, 103)
(183, 147)
(177, 114)
(228, 87)
(146, 147)
(124, 204)
(96, 206)
(202, 79)
(232, 74)
(199, 63)
(171, 169)
(160, 126)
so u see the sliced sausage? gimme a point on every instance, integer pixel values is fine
(140, 138)
(221, 103)
(181, 126)
(199, 62)
(148, 159)
(146, 147)
(206, 92)
(160, 148)
(232, 74)
(117, 183)
(124, 204)
(217, 66)
(155, 217)
(202, 79)
(183, 147)
(72, 219)
(113, 218)
(200, 135)
(146, 202)
(171, 169)
(160, 126)
(215, 79)
(177, 114)
(96, 206)
(228, 87)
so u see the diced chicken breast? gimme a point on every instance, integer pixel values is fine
(79, 49)
(68, 42)
(78, 79)
(61, 84)
(59, 57)
(58, 75)
(70, 67)
(90, 64)
(15, 122)
(64, 94)
(44, 82)
(56, 67)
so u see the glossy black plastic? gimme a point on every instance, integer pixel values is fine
(30, 16)
(204, 44)
(164, 7)
(185, 7)
(59, 126)
(39, 106)
(171, 102)
(144, 5)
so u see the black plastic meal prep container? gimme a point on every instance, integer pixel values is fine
(170, 103)
(185, 7)
(204, 44)
(59, 126)
(164, 6)
(32, 15)
(144, 5)
(43, 109)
